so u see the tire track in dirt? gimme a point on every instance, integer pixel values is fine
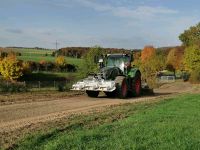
(17, 116)
(76, 105)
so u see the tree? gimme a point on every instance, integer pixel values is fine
(175, 60)
(191, 36)
(26, 68)
(60, 61)
(151, 66)
(192, 58)
(91, 59)
(147, 53)
(10, 68)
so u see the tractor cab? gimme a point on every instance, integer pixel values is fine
(122, 61)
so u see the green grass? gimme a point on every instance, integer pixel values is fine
(38, 58)
(170, 124)
(38, 54)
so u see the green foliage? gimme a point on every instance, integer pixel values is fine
(191, 39)
(192, 58)
(170, 124)
(195, 76)
(12, 87)
(91, 59)
(191, 36)
(11, 68)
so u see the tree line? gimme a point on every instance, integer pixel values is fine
(81, 52)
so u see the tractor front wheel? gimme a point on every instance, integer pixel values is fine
(93, 94)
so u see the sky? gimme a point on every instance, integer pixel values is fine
(127, 24)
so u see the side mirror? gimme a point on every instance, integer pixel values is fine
(100, 60)
(101, 65)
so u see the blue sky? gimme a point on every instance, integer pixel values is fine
(108, 23)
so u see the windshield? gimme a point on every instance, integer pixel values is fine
(117, 61)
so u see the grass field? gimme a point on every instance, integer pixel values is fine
(38, 54)
(168, 124)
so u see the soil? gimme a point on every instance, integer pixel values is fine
(29, 111)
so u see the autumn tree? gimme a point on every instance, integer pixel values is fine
(151, 69)
(60, 61)
(26, 68)
(10, 68)
(137, 59)
(147, 53)
(192, 58)
(175, 59)
(151, 64)
(191, 39)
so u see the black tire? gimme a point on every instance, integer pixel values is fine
(93, 94)
(136, 85)
(121, 87)
(110, 94)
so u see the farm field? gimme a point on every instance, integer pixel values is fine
(52, 119)
(169, 124)
(45, 55)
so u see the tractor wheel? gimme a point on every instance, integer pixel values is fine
(93, 94)
(121, 87)
(110, 94)
(136, 85)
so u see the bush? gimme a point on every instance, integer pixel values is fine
(11, 68)
(13, 87)
(195, 76)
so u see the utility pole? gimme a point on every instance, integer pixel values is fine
(57, 45)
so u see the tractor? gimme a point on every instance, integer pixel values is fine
(116, 78)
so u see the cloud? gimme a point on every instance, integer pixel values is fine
(16, 31)
(126, 12)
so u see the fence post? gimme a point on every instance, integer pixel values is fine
(39, 85)
(54, 82)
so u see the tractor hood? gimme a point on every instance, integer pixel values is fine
(109, 73)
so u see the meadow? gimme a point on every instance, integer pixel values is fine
(171, 123)
(38, 55)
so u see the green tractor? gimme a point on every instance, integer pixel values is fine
(116, 78)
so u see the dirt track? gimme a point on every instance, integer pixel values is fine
(15, 116)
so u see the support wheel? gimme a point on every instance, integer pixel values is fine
(93, 94)
(121, 87)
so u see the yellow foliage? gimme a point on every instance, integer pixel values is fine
(60, 61)
(11, 68)
(26, 68)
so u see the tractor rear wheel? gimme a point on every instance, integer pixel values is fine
(93, 94)
(121, 87)
(136, 85)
